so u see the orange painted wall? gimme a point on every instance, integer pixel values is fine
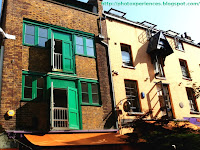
(143, 73)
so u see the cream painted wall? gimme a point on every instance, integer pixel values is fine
(144, 71)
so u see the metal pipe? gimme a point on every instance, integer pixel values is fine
(1, 67)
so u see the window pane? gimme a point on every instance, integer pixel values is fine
(84, 87)
(85, 98)
(95, 98)
(43, 32)
(179, 45)
(79, 49)
(125, 57)
(89, 43)
(42, 41)
(30, 29)
(79, 40)
(28, 81)
(94, 88)
(27, 92)
(90, 51)
(29, 39)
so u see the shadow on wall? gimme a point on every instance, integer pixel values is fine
(39, 59)
(32, 116)
(143, 57)
(110, 120)
(154, 104)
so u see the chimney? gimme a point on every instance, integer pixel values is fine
(185, 33)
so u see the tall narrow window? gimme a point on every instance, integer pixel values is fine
(178, 44)
(192, 99)
(132, 95)
(28, 87)
(29, 37)
(79, 45)
(164, 99)
(95, 93)
(42, 36)
(126, 55)
(184, 69)
(158, 67)
(85, 97)
(90, 47)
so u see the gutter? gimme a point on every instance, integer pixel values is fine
(112, 87)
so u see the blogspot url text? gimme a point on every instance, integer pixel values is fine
(150, 3)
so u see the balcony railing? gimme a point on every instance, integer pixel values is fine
(60, 118)
(57, 61)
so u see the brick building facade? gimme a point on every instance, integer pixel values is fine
(56, 51)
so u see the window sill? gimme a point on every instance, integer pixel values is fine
(182, 50)
(26, 100)
(85, 55)
(129, 67)
(24, 44)
(87, 104)
(135, 113)
(187, 78)
(195, 112)
(161, 78)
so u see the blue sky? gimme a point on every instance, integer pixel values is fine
(177, 18)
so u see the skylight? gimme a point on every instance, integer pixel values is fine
(173, 33)
(148, 24)
(84, 1)
(117, 12)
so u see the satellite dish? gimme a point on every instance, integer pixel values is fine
(127, 106)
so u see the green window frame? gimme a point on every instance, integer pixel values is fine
(35, 35)
(90, 93)
(33, 87)
(84, 46)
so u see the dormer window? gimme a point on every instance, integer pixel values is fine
(178, 44)
(159, 49)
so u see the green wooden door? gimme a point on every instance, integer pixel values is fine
(68, 64)
(73, 112)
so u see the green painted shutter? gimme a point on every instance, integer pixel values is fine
(68, 64)
(73, 108)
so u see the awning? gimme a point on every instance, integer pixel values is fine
(76, 139)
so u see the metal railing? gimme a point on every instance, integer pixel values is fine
(57, 61)
(60, 117)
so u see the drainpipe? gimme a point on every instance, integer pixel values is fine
(112, 87)
(101, 37)
(1, 67)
